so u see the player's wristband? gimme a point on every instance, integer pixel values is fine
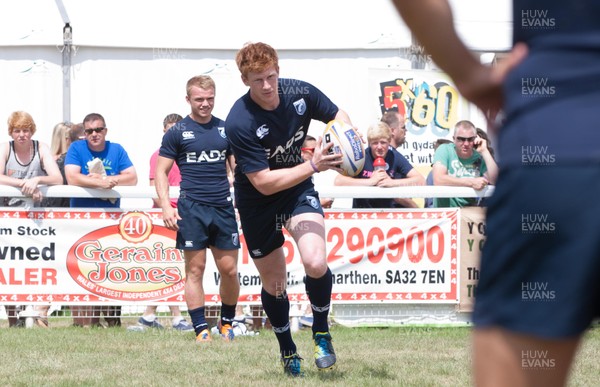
(314, 167)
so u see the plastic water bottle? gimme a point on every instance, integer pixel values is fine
(379, 163)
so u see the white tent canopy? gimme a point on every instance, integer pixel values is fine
(227, 24)
(130, 60)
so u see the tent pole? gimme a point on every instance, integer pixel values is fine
(66, 60)
(66, 70)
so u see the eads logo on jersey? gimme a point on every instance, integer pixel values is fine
(134, 260)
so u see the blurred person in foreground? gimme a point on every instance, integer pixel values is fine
(548, 152)
(26, 164)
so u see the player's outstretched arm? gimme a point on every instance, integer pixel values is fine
(478, 83)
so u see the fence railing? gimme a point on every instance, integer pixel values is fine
(140, 192)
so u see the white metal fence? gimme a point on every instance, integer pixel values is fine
(346, 314)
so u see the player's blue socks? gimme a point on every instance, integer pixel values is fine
(277, 309)
(198, 319)
(319, 294)
(227, 314)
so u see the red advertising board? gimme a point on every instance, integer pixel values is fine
(115, 256)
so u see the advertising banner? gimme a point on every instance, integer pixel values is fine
(82, 256)
(428, 100)
(472, 229)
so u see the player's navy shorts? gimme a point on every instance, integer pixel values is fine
(540, 267)
(262, 224)
(202, 226)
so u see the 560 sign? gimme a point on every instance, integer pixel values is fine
(422, 103)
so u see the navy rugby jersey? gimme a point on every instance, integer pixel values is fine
(200, 151)
(262, 139)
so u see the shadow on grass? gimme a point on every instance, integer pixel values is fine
(330, 375)
(378, 373)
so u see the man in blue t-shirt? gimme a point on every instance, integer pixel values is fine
(97, 163)
(273, 189)
(204, 217)
(396, 171)
(467, 162)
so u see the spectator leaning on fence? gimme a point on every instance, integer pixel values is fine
(467, 162)
(61, 140)
(396, 172)
(63, 135)
(59, 145)
(25, 164)
(397, 125)
(97, 163)
(428, 202)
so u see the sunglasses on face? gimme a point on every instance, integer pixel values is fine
(92, 130)
(466, 139)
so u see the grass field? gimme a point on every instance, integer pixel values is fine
(410, 356)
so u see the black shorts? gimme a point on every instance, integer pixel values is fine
(540, 266)
(202, 226)
(262, 224)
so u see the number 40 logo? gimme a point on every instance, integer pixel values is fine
(135, 227)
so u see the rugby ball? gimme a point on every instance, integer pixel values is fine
(348, 143)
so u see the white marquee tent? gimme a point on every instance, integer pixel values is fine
(130, 59)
